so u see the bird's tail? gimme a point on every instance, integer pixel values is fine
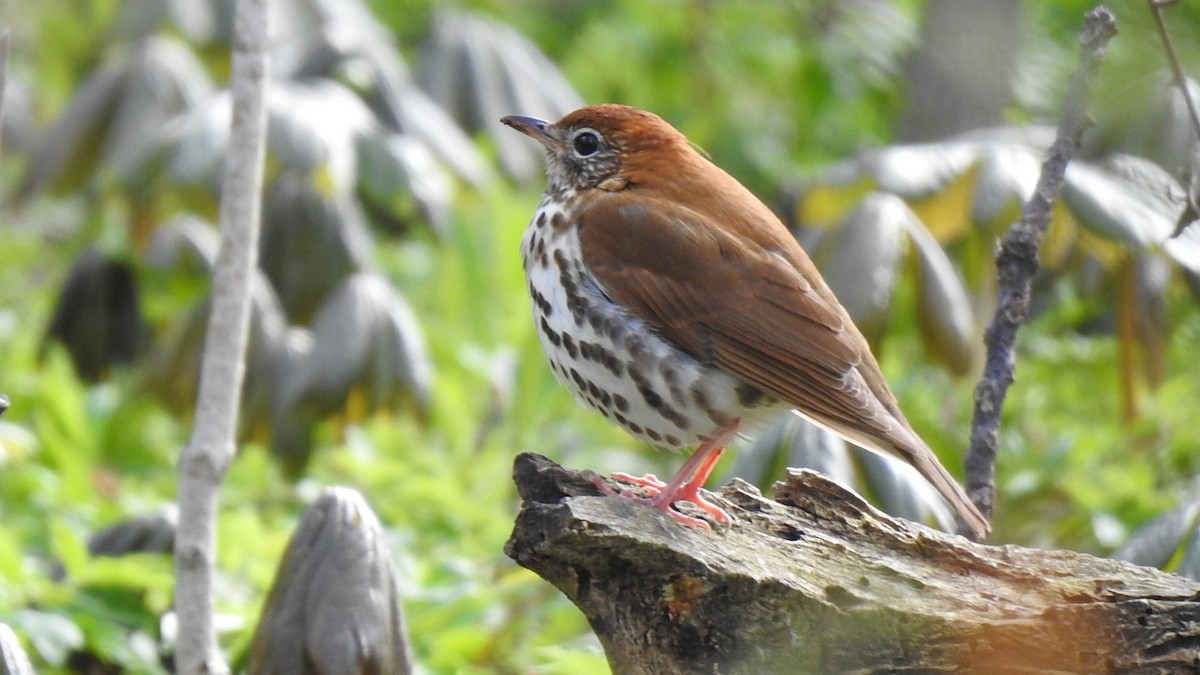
(927, 464)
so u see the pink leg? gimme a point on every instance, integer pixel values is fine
(686, 484)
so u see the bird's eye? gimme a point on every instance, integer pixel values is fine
(586, 144)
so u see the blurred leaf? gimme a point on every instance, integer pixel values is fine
(115, 116)
(68, 547)
(365, 340)
(396, 171)
(1121, 199)
(368, 62)
(861, 259)
(1189, 566)
(792, 441)
(1004, 180)
(481, 71)
(309, 244)
(185, 243)
(151, 533)
(902, 491)
(52, 635)
(97, 318)
(314, 125)
(335, 604)
(13, 660)
(173, 367)
(943, 308)
(67, 152)
(1157, 541)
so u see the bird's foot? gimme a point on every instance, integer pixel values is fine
(649, 481)
(663, 501)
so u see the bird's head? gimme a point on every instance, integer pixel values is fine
(604, 146)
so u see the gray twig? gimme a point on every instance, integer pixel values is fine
(203, 463)
(1016, 263)
(1191, 207)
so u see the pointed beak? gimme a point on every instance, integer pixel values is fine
(539, 130)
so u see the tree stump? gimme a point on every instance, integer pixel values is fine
(820, 581)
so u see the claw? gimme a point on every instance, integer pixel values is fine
(684, 487)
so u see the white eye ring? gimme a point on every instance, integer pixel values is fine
(586, 143)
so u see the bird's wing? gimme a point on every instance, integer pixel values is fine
(745, 306)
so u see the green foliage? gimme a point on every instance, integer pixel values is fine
(768, 92)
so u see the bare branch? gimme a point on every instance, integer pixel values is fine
(1016, 263)
(204, 461)
(5, 34)
(1191, 208)
(1173, 58)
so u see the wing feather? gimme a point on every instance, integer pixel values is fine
(750, 310)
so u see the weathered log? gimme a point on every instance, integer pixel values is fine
(820, 581)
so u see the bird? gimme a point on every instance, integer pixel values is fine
(674, 302)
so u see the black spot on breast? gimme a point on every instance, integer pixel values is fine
(672, 440)
(621, 403)
(700, 397)
(654, 435)
(650, 396)
(558, 221)
(569, 344)
(636, 349)
(748, 395)
(635, 428)
(607, 359)
(543, 305)
(541, 220)
(671, 377)
(550, 333)
(578, 379)
(675, 417)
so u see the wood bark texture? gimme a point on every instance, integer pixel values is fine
(818, 581)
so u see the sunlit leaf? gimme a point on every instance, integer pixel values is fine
(68, 547)
(826, 203)
(1120, 200)
(1189, 565)
(917, 171)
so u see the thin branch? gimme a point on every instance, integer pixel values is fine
(1191, 209)
(1016, 263)
(204, 461)
(4, 40)
(1173, 58)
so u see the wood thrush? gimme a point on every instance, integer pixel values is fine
(671, 300)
